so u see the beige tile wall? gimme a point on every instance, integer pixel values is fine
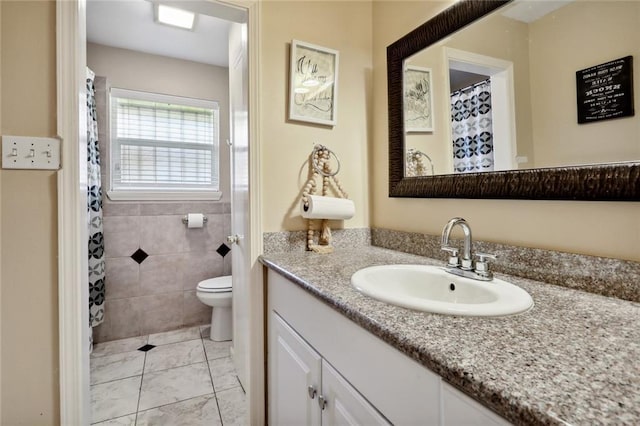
(159, 294)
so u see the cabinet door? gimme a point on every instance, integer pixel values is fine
(293, 367)
(344, 405)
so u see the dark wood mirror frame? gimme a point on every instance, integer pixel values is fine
(607, 182)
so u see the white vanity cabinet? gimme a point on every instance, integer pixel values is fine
(459, 409)
(294, 377)
(305, 390)
(316, 354)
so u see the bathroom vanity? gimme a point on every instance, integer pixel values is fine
(327, 370)
(334, 353)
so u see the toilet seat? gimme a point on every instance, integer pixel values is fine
(216, 285)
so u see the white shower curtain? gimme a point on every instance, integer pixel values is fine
(472, 129)
(94, 212)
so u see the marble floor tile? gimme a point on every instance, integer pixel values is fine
(117, 366)
(174, 355)
(173, 385)
(176, 388)
(216, 350)
(114, 399)
(233, 407)
(118, 346)
(200, 411)
(223, 374)
(181, 335)
(129, 420)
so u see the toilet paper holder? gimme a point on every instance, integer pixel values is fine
(185, 219)
(327, 207)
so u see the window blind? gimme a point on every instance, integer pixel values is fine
(163, 143)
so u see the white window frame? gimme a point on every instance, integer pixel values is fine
(150, 194)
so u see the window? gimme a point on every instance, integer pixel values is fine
(163, 147)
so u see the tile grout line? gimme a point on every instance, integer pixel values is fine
(144, 363)
(175, 402)
(111, 354)
(115, 380)
(177, 366)
(93, 355)
(215, 394)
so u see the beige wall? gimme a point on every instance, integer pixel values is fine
(29, 220)
(562, 43)
(126, 69)
(285, 145)
(597, 228)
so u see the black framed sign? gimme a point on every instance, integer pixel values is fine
(605, 91)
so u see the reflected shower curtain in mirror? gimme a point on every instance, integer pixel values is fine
(472, 130)
(94, 211)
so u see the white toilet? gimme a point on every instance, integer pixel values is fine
(217, 292)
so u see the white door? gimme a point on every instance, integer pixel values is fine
(240, 255)
(344, 405)
(294, 377)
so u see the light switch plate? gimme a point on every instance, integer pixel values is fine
(30, 153)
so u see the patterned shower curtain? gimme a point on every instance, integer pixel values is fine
(472, 128)
(94, 211)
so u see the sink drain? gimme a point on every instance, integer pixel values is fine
(452, 286)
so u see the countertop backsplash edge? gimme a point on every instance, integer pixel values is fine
(599, 275)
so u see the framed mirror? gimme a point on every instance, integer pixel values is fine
(533, 155)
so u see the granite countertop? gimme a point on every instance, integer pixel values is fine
(573, 358)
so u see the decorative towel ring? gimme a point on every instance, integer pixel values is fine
(414, 162)
(317, 167)
(319, 162)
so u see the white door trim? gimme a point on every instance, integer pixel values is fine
(256, 393)
(73, 291)
(73, 295)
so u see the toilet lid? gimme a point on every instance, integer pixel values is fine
(216, 285)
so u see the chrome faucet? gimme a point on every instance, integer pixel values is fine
(466, 263)
(465, 266)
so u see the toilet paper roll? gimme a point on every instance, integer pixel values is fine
(327, 208)
(195, 220)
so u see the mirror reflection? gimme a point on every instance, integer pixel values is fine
(501, 94)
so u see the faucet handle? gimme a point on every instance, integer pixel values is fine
(482, 264)
(482, 257)
(454, 260)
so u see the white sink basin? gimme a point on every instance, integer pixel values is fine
(432, 289)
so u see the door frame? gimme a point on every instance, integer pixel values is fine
(73, 311)
(502, 99)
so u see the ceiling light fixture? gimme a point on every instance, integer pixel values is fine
(175, 17)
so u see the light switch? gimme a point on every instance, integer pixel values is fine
(26, 152)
